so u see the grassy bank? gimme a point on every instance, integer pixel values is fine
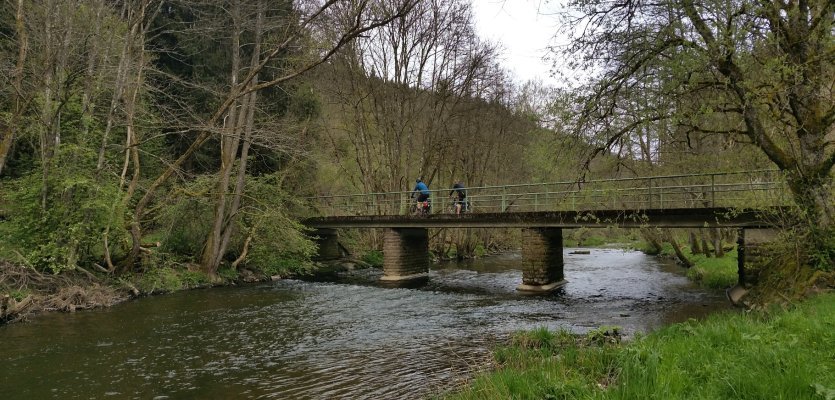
(785, 354)
(712, 272)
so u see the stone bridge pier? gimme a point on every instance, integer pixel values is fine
(542, 259)
(405, 254)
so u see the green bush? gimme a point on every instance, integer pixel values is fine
(160, 280)
(167, 278)
(193, 279)
(228, 274)
(186, 220)
(19, 294)
(452, 252)
(373, 258)
(284, 266)
(593, 241)
(280, 244)
(646, 248)
(60, 223)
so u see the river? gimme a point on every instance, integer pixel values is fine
(350, 339)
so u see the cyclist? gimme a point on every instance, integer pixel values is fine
(460, 199)
(422, 192)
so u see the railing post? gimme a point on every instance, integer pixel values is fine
(536, 201)
(547, 197)
(712, 190)
(661, 198)
(573, 200)
(504, 198)
(649, 206)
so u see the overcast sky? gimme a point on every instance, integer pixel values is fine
(524, 30)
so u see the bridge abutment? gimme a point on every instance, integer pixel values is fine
(405, 254)
(542, 260)
(752, 255)
(327, 241)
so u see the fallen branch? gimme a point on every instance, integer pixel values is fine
(88, 273)
(244, 252)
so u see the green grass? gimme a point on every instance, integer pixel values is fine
(594, 241)
(766, 355)
(714, 272)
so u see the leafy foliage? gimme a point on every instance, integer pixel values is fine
(374, 258)
(166, 279)
(184, 223)
(59, 223)
(279, 242)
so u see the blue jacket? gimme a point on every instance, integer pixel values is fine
(422, 188)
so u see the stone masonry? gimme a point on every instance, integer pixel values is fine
(327, 240)
(542, 258)
(405, 254)
(752, 245)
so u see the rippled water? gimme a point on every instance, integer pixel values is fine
(352, 339)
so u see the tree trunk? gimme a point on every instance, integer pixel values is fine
(229, 142)
(705, 248)
(47, 119)
(717, 243)
(679, 253)
(227, 107)
(651, 236)
(249, 126)
(7, 135)
(118, 92)
(694, 244)
(87, 92)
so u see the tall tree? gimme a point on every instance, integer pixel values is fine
(229, 118)
(761, 71)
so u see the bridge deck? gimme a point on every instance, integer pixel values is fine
(672, 218)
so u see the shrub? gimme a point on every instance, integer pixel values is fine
(373, 258)
(228, 274)
(167, 278)
(185, 222)
(60, 223)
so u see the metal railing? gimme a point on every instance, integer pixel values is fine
(749, 189)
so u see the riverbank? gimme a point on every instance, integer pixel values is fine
(25, 291)
(779, 353)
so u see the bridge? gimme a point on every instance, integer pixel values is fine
(742, 200)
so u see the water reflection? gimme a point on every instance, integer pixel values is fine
(352, 339)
